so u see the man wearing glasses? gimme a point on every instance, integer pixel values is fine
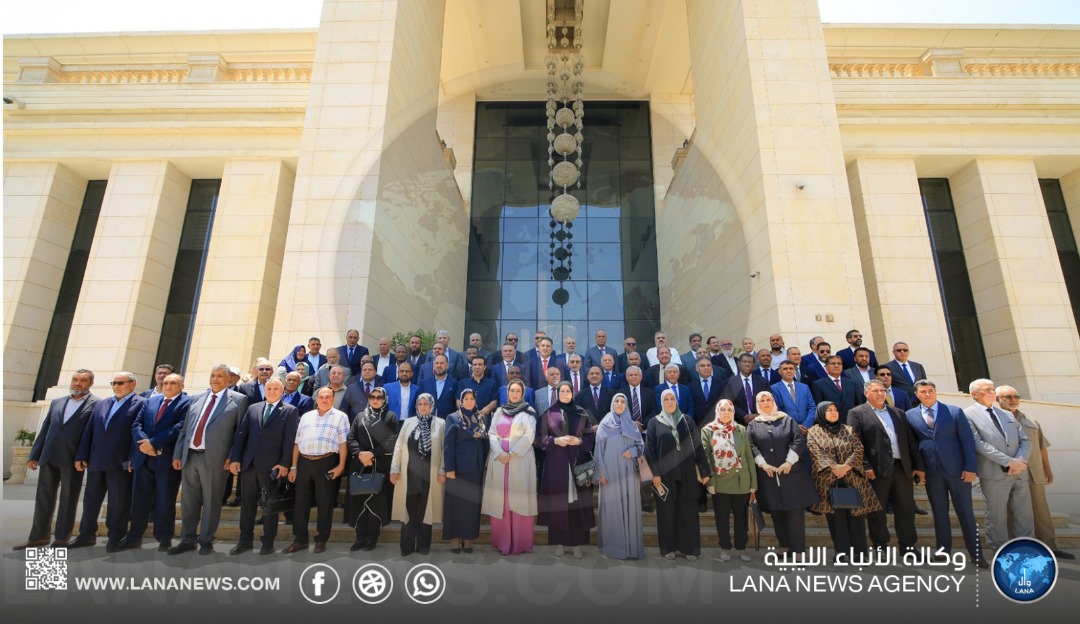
(813, 367)
(623, 361)
(905, 372)
(104, 455)
(255, 390)
(854, 340)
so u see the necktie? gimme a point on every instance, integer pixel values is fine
(997, 423)
(161, 410)
(837, 382)
(543, 366)
(554, 397)
(791, 391)
(764, 373)
(675, 389)
(930, 418)
(705, 387)
(350, 354)
(907, 372)
(889, 399)
(749, 395)
(635, 407)
(266, 413)
(596, 397)
(607, 379)
(367, 389)
(575, 384)
(198, 440)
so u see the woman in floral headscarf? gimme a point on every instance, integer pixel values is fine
(733, 476)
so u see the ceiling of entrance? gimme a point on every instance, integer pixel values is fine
(632, 48)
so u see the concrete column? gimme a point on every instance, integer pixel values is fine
(1024, 315)
(243, 266)
(41, 209)
(756, 234)
(378, 230)
(902, 288)
(122, 304)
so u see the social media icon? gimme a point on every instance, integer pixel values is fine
(319, 583)
(372, 583)
(425, 583)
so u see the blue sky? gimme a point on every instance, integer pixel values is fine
(71, 16)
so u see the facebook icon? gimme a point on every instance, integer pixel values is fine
(319, 583)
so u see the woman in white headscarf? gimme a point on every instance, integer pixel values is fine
(418, 474)
(673, 448)
(618, 446)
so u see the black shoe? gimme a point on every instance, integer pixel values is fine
(182, 547)
(423, 551)
(126, 544)
(920, 511)
(206, 548)
(241, 548)
(111, 547)
(702, 509)
(258, 521)
(368, 547)
(58, 543)
(164, 547)
(813, 513)
(1061, 554)
(468, 550)
(357, 545)
(266, 549)
(82, 541)
(234, 502)
(983, 564)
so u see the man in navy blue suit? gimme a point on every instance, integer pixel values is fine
(262, 444)
(356, 395)
(427, 369)
(314, 355)
(765, 368)
(801, 406)
(947, 445)
(54, 452)
(905, 372)
(897, 398)
(104, 455)
(611, 377)
(535, 367)
(294, 397)
(685, 398)
(500, 364)
(656, 373)
(707, 390)
(352, 352)
(595, 396)
(862, 372)
(441, 386)
(458, 367)
(833, 388)
(854, 340)
(736, 389)
(813, 364)
(154, 433)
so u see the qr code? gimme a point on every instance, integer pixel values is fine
(46, 568)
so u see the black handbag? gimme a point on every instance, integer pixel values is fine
(366, 483)
(278, 495)
(584, 472)
(844, 497)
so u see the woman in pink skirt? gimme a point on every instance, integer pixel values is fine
(510, 483)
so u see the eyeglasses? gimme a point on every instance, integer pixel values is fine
(511, 340)
(265, 369)
(631, 344)
(900, 350)
(119, 383)
(884, 374)
(376, 397)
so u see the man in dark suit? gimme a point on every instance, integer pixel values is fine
(689, 359)
(517, 357)
(548, 395)
(595, 396)
(854, 340)
(736, 389)
(794, 355)
(947, 446)
(904, 371)
(726, 358)
(641, 399)
(202, 456)
(684, 398)
(262, 444)
(441, 386)
(833, 388)
(427, 369)
(765, 368)
(706, 392)
(574, 373)
(352, 352)
(622, 362)
(160, 373)
(862, 372)
(656, 374)
(531, 353)
(401, 354)
(400, 391)
(104, 455)
(476, 340)
(253, 390)
(154, 433)
(458, 367)
(314, 354)
(535, 367)
(794, 398)
(500, 367)
(356, 395)
(596, 353)
(294, 397)
(54, 452)
(611, 377)
(813, 364)
(892, 463)
(894, 397)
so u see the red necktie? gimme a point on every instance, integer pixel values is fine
(543, 365)
(837, 382)
(575, 384)
(161, 410)
(554, 397)
(202, 421)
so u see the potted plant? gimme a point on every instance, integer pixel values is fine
(20, 454)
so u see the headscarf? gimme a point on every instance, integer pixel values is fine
(672, 419)
(572, 412)
(423, 425)
(512, 409)
(622, 422)
(725, 455)
(776, 413)
(370, 414)
(290, 360)
(819, 418)
(474, 422)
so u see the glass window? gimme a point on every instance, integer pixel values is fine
(1064, 240)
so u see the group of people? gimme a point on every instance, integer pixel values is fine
(447, 437)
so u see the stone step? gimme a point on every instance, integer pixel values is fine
(229, 531)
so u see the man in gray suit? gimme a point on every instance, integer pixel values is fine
(1003, 450)
(202, 454)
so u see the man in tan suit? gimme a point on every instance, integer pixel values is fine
(1038, 468)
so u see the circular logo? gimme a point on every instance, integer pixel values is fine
(316, 582)
(425, 583)
(1024, 570)
(372, 583)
